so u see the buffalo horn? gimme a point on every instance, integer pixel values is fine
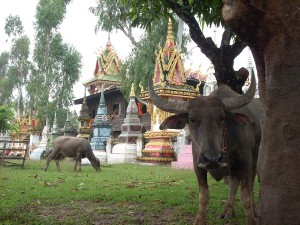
(242, 100)
(164, 104)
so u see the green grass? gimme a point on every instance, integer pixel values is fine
(119, 194)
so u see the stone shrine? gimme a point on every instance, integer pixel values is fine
(54, 133)
(68, 131)
(126, 149)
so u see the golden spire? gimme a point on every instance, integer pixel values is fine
(170, 36)
(132, 94)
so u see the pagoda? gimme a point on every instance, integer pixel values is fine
(170, 83)
(54, 133)
(84, 119)
(101, 129)
(68, 130)
(126, 149)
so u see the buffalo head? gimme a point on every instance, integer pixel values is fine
(96, 164)
(207, 117)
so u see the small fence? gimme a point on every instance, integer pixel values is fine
(13, 152)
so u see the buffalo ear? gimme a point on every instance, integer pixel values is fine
(174, 122)
(239, 118)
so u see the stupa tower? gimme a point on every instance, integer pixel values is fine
(126, 149)
(101, 129)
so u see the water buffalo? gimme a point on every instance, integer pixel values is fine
(73, 147)
(225, 133)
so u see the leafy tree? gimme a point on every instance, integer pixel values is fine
(6, 117)
(15, 64)
(112, 16)
(6, 85)
(13, 26)
(194, 14)
(57, 64)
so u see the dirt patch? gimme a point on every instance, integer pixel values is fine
(103, 213)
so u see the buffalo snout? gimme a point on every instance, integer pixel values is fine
(212, 160)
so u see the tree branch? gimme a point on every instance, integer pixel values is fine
(128, 33)
(206, 45)
(238, 47)
(242, 18)
(226, 37)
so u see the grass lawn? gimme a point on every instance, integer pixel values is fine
(119, 194)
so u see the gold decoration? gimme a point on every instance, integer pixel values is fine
(160, 134)
(197, 86)
(141, 86)
(132, 93)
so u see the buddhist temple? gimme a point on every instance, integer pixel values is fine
(106, 73)
(22, 135)
(169, 82)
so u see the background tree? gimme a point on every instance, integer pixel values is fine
(6, 86)
(57, 65)
(6, 116)
(17, 64)
(194, 13)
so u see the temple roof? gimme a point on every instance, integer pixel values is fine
(107, 67)
(169, 68)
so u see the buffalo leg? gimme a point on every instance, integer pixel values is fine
(229, 207)
(79, 162)
(48, 162)
(57, 164)
(203, 198)
(247, 200)
(76, 162)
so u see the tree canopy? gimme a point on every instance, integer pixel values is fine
(195, 14)
(45, 82)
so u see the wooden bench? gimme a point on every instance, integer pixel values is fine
(13, 155)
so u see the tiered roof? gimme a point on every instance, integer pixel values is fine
(107, 69)
(169, 68)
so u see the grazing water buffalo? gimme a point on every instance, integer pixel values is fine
(73, 147)
(225, 133)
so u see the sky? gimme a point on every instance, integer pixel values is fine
(78, 29)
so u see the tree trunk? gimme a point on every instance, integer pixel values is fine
(271, 29)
